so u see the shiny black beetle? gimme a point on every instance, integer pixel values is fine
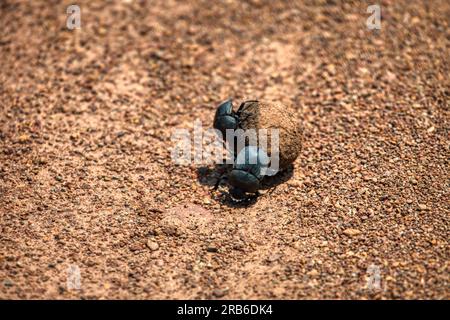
(225, 117)
(250, 163)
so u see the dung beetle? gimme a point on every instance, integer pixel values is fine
(249, 169)
(250, 163)
(251, 160)
(225, 117)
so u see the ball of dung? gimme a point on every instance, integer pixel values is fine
(272, 115)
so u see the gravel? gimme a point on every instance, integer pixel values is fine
(86, 176)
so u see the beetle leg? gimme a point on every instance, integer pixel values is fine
(219, 180)
(271, 190)
(243, 104)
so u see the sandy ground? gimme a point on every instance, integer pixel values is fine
(87, 181)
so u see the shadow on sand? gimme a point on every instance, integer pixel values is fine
(216, 175)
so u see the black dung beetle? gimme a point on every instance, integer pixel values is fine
(250, 163)
(248, 170)
(225, 117)
(253, 161)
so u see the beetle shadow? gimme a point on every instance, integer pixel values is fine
(273, 181)
(212, 176)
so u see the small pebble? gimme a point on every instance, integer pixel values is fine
(8, 283)
(274, 257)
(152, 245)
(351, 232)
(219, 293)
(212, 248)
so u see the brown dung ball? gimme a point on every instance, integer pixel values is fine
(272, 115)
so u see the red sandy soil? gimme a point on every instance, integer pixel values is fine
(86, 176)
